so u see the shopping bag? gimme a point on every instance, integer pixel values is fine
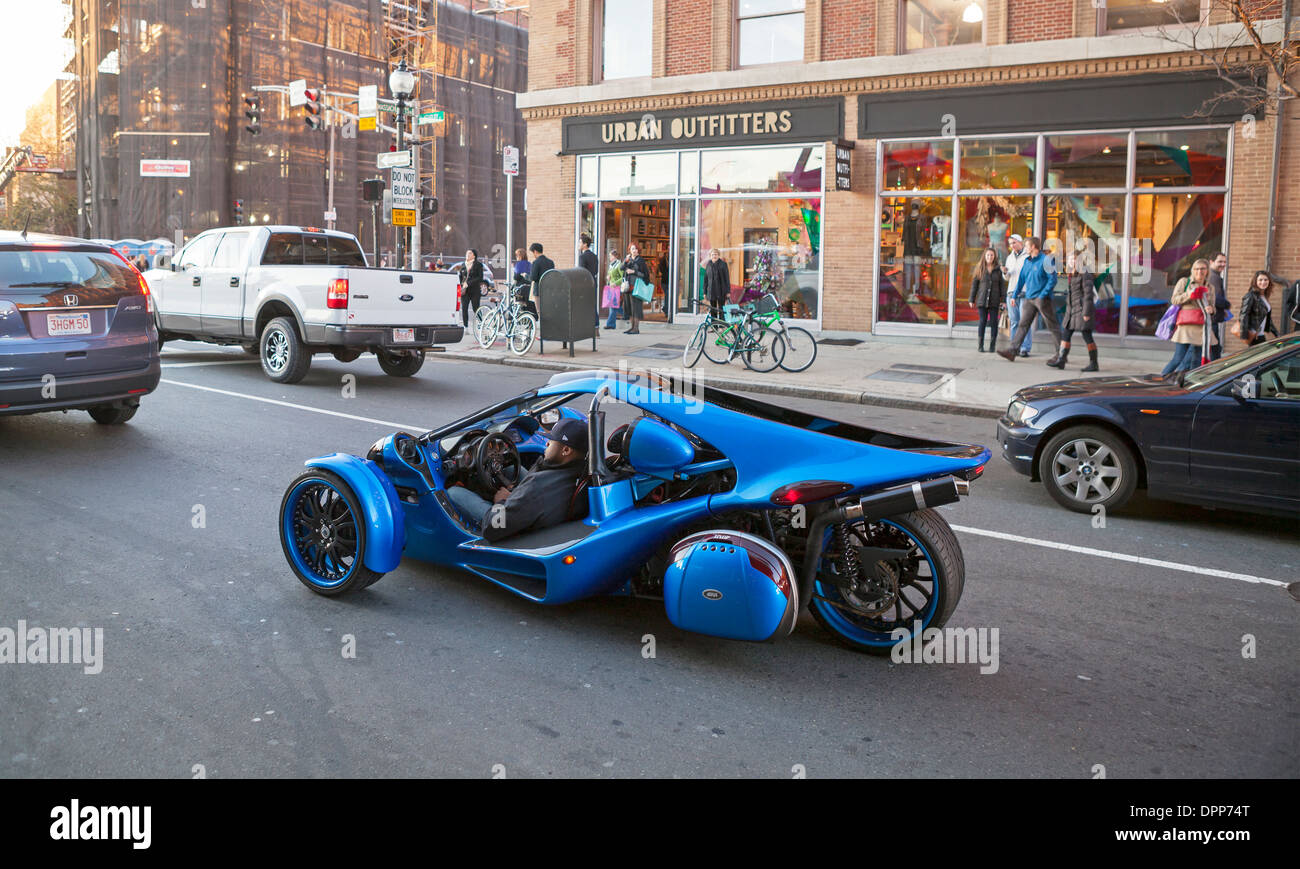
(1165, 328)
(643, 290)
(612, 296)
(1004, 323)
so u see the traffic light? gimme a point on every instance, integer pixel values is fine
(253, 111)
(429, 205)
(312, 109)
(239, 212)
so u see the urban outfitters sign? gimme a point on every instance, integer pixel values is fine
(733, 124)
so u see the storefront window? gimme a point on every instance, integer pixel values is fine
(587, 176)
(769, 31)
(984, 222)
(1170, 232)
(941, 23)
(918, 165)
(1087, 160)
(690, 173)
(762, 170)
(1127, 14)
(915, 245)
(770, 245)
(637, 175)
(1092, 226)
(626, 41)
(1181, 158)
(998, 163)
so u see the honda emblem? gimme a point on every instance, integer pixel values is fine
(71, 300)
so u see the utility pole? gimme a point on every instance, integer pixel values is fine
(331, 123)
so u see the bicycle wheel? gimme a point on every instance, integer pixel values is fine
(486, 324)
(523, 334)
(800, 348)
(763, 349)
(717, 343)
(695, 347)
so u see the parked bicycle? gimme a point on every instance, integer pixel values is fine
(800, 346)
(508, 320)
(736, 333)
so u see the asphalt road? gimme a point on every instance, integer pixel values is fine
(216, 656)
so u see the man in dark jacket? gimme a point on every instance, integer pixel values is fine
(1221, 303)
(541, 265)
(541, 499)
(588, 260)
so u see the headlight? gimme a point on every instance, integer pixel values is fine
(1019, 412)
(376, 450)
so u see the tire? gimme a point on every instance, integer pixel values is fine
(800, 349)
(113, 414)
(486, 325)
(401, 364)
(523, 334)
(718, 354)
(1069, 453)
(284, 358)
(770, 351)
(695, 347)
(337, 569)
(934, 550)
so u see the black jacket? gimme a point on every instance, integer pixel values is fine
(717, 282)
(634, 267)
(914, 230)
(988, 291)
(1080, 311)
(1221, 303)
(473, 280)
(541, 499)
(588, 260)
(1290, 318)
(1254, 316)
(541, 266)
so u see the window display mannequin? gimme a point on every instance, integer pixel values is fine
(997, 230)
(914, 248)
(940, 225)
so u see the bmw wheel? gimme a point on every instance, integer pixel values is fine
(1086, 467)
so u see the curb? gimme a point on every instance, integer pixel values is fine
(845, 396)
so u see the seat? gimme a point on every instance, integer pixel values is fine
(579, 503)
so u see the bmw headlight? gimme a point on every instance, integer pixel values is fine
(1020, 413)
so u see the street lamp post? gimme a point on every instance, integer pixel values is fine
(401, 82)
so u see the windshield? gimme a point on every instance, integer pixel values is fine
(496, 417)
(1232, 367)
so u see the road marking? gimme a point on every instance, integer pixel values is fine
(1120, 556)
(216, 362)
(384, 422)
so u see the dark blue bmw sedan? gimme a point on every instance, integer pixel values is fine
(1226, 434)
(77, 329)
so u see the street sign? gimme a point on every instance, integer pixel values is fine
(331, 215)
(393, 159)
(298, 92)
(434, 117)
(367, 106)
(164, 168)
(510, 161)
(403, 217)
(390, 106)
(402, 182)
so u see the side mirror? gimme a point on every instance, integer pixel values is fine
(1245, 387)
(163, 261)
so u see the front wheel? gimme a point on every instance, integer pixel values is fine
(879, 582)
(764, 348)
(486, 326)
(800, 349)
(284, 358)
(323, 534)
(401, 363)
(523, 334)
(1086, 467)
(695, 347)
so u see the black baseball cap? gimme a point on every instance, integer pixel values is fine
(570, 432)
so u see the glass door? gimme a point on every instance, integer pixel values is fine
(983, 222)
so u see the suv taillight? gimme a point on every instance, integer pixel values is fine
(336, 296)
(144, 286)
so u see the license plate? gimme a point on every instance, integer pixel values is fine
(68, 324)
(403, 334)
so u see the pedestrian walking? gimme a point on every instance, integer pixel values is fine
(634, 267)
(1218, 263)
(1080, 311)
(1011, 271)
(1195, 301)
(1037, 280)
(717, 283)
(988, 292)
(472, 282)
(588, 260)
(612, 297)
(1256, 310)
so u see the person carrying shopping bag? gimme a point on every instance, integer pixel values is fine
(1195, 301)
(612, 295)
(634, 268)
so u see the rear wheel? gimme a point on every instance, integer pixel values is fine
(323, 535)
(800, 349)
(523, 334)
(901, 571)
(486, 326)
(1086, 467)
(284, 358)
(717, 348)
(765, 350)
(402, 363)
(113, 414)
(695, 347)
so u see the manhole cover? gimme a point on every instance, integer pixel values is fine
(905, 376)
(655, 353)
(840, 342)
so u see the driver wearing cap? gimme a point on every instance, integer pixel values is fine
(541, 499)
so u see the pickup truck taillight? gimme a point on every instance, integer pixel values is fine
(336, 296)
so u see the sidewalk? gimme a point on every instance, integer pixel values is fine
(941, 375)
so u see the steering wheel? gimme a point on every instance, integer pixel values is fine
(491, 464)
(1274, 381)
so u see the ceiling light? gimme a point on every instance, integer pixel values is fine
(973, 14)
(1106, 150)
(1184, 148)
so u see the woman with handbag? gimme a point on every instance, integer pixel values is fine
(634, 269)
(612, 296)
(1195, 300)
(472, 282)
(717, 283)
(1256, 314)
(1080, 311)
(988, 292)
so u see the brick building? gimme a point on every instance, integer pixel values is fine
(857, 156)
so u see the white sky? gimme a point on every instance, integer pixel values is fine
(33, 56)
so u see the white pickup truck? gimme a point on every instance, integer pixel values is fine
(287, 292)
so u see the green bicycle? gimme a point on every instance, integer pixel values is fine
(800, 346)
(723, 339)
